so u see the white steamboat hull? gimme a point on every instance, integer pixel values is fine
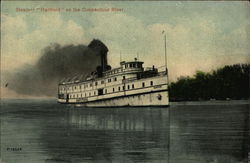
(145, 92)
(149, 99)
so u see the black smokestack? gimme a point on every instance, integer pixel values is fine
(56, 63)
(102, 50)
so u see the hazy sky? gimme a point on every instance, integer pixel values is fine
(200, 35)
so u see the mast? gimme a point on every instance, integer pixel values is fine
(169, 120)
(165, 48)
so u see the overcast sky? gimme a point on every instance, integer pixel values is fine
(200, 35)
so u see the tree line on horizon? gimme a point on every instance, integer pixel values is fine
(229, 82)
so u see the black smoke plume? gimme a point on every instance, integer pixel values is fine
(56, 63)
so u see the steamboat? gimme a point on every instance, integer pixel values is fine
(130, 84)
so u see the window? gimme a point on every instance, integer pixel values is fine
(123, 87)
(143, 84)
(96, 83)
(133, 86)
(106, 91)
(130, 65)
(151, 83)
(94, 92)
(90, 84)
(113, 89)
(124, 77)
(100, 92)
(115, 79)
(119, 88)
(128, 86)
(102, 82)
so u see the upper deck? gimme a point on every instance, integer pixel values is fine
(126, 70)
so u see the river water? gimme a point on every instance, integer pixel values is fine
(188, 132)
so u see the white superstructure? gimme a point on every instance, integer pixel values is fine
(128, 85)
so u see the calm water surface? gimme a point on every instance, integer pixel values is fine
(200, 132)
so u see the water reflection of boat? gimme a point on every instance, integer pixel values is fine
(120, 119)
(129, 136)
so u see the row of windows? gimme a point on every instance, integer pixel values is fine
(106, 91)
(82, 95)
(133, 65)
(89, 85)
(132, 86)
(114, 79)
